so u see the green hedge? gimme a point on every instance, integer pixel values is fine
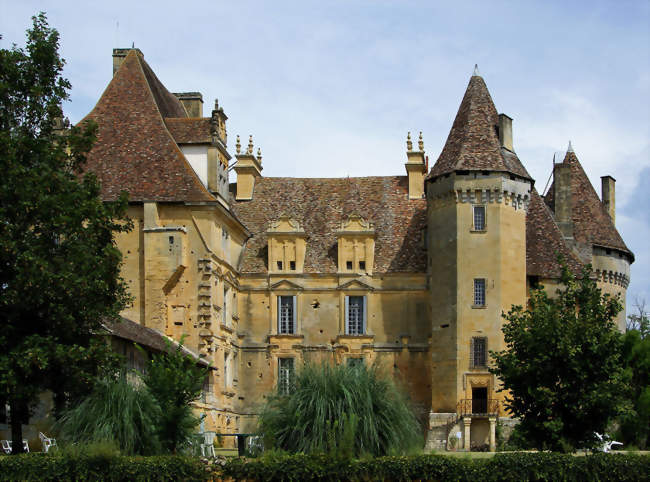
(501, 467)
(43, 467)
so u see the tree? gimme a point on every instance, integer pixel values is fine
(635, 422)
(174, 380)
(348, 410)
(562, 366)
(59, 265)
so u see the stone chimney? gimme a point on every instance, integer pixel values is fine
(248, 168)
(562, 198)
(608, 196)
(192, 101)
(505, 132)
(119, 55)
(416, 168)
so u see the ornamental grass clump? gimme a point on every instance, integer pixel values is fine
(341, 410)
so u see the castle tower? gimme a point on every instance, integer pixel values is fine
(477, 197)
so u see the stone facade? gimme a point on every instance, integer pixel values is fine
(411, 272)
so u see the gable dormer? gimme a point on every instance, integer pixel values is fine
(356, 246)
(286, 246)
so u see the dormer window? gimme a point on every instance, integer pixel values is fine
(356, 246)
(286, 246)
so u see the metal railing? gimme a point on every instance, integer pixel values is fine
(478, 406)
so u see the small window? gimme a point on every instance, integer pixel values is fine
(225, 306)
(171, 240)
(207, 388)
(479, 218)
(479, 292)
(279, 265)
(285, 375)
(292, 265)
(478, 352)
(355, 315)
(348, 265)
(286, 315)
(362, 265)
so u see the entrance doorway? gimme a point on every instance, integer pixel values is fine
(479, 400)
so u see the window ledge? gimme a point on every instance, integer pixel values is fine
(478, 230)
(479, 307)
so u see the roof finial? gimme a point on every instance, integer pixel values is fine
(420, 143)
(570, 148)
(259, 155)
(132, 45)
(238, 145)
(409, 144)
(476, 74)
(250, 144)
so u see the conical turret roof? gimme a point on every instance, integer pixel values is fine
(473, 142)
(134, 150)
(591, 222)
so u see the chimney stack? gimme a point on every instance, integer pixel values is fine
(608, 196)
(416, 168)
(562, 198)
(192, 101)
(505, 132)
(248, 169)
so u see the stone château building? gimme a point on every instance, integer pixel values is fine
(411, 271)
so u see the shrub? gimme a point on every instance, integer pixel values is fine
(116, 411)
(347, 410)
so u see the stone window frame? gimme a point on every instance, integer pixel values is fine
(286, 374)
(293, 322)
(479, 294)
(478, 345)
(483, 228)
(364, 315)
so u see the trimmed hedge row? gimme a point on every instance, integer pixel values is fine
(502, 467)
(102, 467)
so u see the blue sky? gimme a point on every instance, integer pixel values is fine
(330, 88)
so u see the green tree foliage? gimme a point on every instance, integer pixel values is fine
(562, 364)
(174, 380)
(635, 422)
(59, 266)
(115, 411)
(353, 408)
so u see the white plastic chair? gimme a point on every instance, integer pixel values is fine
(607, 444)
(46, 441)
(6, 446)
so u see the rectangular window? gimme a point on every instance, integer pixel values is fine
(355, 362)
(286, 314)
(279, 265)
(478, 352)
(226, 371)
(348, 265)
(479, 218)
(224, 317)
(362, 265)
(207, 388)
(355, 315)
(479, 292)
(285, 375)
(292, 265)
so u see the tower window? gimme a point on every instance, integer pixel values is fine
(478, 352)
(479, 292)
(479, 218)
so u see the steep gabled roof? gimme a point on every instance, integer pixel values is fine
(591, 222)
(134, 150)
(473, 142)
(544, 242)
(319, 205)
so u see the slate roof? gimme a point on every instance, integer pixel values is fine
(591, 222)
(319, 205)
(473, 142)
(544, 241)
(189, 130)
(134, 150)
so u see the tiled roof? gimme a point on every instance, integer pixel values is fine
(146, 337)
(473, 143)
(189, 130)
(319, 205)
(544, 242)
(591, 222)
(134, 150)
